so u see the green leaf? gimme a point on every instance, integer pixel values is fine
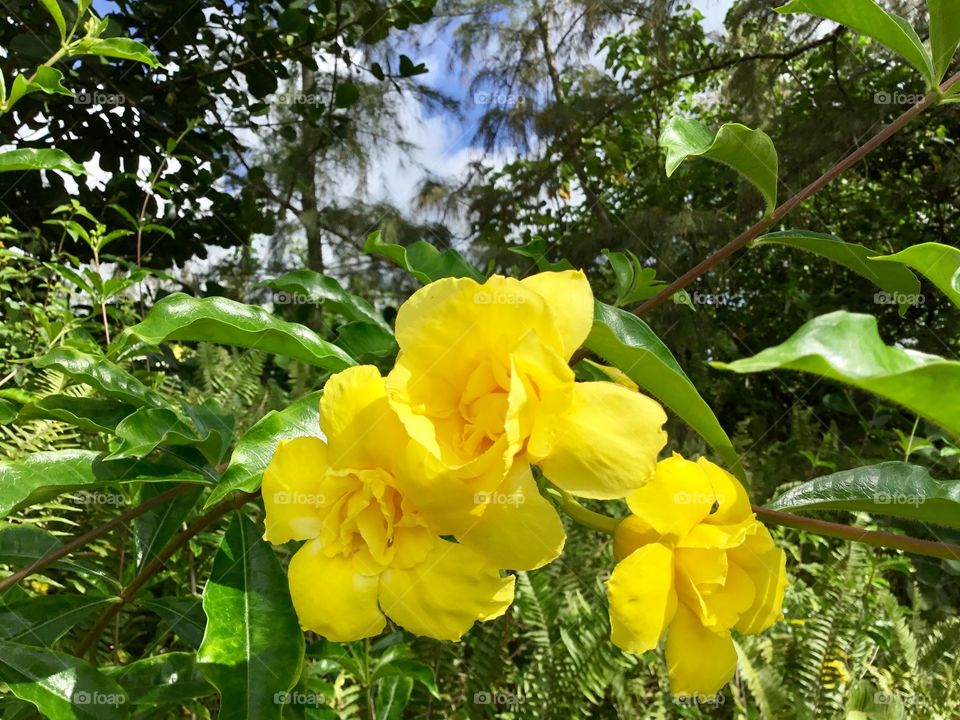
(634, 282)
(944, 34)
(940, 264)
(8, 411)
(143, 431)
(536, 250)
(153, 529)
(45, 475)
(628, 343)
(900, 285)
(256, 446)
(46, 80)
(120, 48)
(253, 646)
(53, 7)
(61, 686)
(22, 544)
(346, 95)
(223, 321)
(749, 152)
(422, 260)
(890, 488)
(309, 286)
(413, 669)
(32, 159)
(44, 619)
(87, 413)
(102, 375)
(847, 347)
(169, 678)
(363, 339)
(184, 615)
(393, 694)
(866, 17)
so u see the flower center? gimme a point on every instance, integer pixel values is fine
(366, 518)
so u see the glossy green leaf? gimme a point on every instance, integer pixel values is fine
(144, 430)
(625, 341)
(169, 678)
(20, 545)
(901, 285)
(87, 413)
(45, 475)
(184, 615)
(890, 488)
(256, 446)
(33, 159)
(536, 250)
(363, 339)
(634, 282)
(749, 152)
(44, 619)
(944, 34)
(223, 321)
(423, 260)
(8, 411)
(46, 80)
(156, 527)
(393, 695)
(940, 264)
(847, 347)
(253, 646)
(413, 669)
(120, 48)
(307, 286)
(102, 375)
(867, 17)
(61, 686)
(53, 7)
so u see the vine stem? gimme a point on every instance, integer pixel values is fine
(80, 540)
(945, 551)
(158, 561)
(581, 515)
(829, 176)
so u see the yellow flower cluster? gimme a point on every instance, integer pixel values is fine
(422, 493)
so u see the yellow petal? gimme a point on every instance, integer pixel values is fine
(331, 598)
(766, 565)
(632, 532)
(642, 598)
(677, 500)
(570, 297)
(706, 535)
(718, 607)
(607, 442)
(293, 488)
(732, 502)
(444, 595)
(361, 429)
(519, 529)
(699, 661)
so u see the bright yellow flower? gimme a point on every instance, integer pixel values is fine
(483, 382)
(369, 552)
(693, 558)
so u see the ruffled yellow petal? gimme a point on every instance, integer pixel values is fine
(444, 595)
(331, 598)
(766, 565)
(570, 297)
(718, 606)
(699, 661)
(733, 504)
(361, 429)
(676, 500)
(631, 533)
(518, 529)
(606, 443)
(642, 598)
(293, 488)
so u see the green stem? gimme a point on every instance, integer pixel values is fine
(581, 515)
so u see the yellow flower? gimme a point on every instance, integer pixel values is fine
(483, 382)
(694, 558)
(369, 552)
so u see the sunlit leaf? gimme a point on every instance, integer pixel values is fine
(940, 264)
